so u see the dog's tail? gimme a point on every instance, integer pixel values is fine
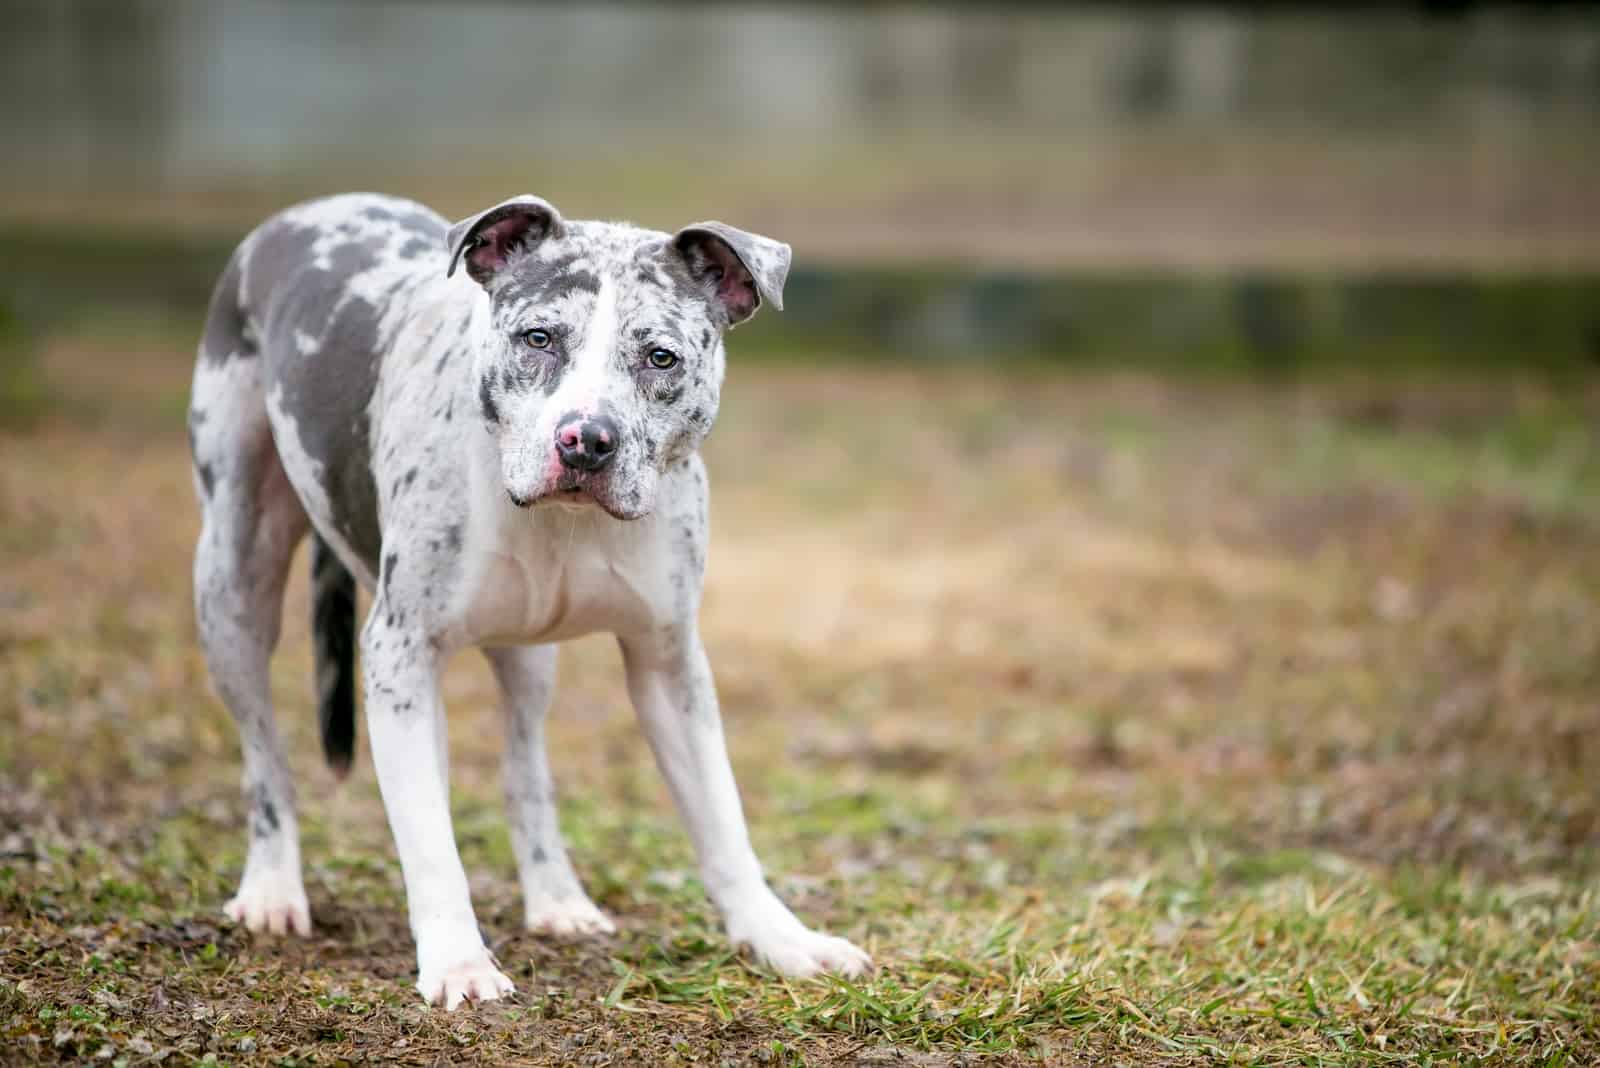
(333, 632)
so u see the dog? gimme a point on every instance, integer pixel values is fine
(493, 427)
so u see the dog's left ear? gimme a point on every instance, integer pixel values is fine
(490, 237)
(743, 268)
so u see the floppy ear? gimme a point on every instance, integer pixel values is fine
(742, 269)
(490, 237)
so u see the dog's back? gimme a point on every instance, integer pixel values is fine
(323, 286)
(279, 412)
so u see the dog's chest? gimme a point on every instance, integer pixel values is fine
(566, 576)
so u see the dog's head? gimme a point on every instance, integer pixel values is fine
(603, 364)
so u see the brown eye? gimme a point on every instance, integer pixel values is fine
(536, 339)
(663, 359)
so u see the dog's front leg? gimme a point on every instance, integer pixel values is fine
(670, 682)
(554, 901)
(405, 721)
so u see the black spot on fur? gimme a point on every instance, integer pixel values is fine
(207, 478)
(452, 534)
(263, 815)
(411, 476)
(539, 856)
(388, 573)
(486, 401)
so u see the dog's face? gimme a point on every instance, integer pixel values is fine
(603, 365)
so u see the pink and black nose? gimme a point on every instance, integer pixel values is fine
(587, 444)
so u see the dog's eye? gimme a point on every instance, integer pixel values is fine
(663, 359)
(536, 339)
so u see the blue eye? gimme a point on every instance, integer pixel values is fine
(536, 339)
(663, 359)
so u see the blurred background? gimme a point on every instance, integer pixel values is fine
(1160, 527)
(1193, 184)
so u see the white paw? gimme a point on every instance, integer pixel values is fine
(572, 917)
(272, 902)
(805, 953)
(781, 942)
(474, 980)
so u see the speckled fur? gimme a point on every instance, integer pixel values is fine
(353, 382)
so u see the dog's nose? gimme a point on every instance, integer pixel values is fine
(587, 444)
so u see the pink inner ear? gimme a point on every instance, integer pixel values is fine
(735, 288)
(495, 242)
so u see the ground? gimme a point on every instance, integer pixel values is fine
(1122, 719)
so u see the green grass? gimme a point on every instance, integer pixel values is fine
(1123, 719)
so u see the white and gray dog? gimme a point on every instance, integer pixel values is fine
(505, 456)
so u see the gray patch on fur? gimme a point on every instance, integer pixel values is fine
(227, 335)
(329, 388)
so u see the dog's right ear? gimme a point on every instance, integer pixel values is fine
(487, 240)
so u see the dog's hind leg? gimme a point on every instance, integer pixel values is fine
(553, 898)
(252, 522)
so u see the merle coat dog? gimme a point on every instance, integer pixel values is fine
(493, 427)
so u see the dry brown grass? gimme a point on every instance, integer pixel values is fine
(1120, 718)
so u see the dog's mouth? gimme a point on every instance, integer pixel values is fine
(577, 489)
(581, 489)
(575, 482)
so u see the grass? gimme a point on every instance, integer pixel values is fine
(1123, 719)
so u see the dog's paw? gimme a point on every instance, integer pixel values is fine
(782, 943)
(275, 904)
(805, 953)
(473, 980)
(571, 917)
